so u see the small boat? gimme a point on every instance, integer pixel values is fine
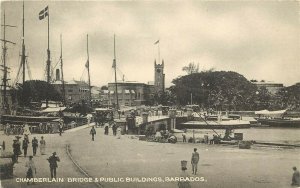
(277, 119)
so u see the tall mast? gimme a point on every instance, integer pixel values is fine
(48, 58)
(115, 66)
(88, 69)
(62, 73)
(5, 68)
(23, 57)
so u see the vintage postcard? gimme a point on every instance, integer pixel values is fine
(123, 94)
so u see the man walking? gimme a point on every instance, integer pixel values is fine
(61, 125)
(25, 145)
(16, 150)
(195, 160)
(53, 164)
(184, 137)
(93, 132)
(35, 144)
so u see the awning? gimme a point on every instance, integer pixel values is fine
(102, 109)
(270, 113)
(56, 109)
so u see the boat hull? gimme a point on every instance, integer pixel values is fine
(234, 124)
(280, 122)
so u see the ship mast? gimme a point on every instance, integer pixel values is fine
(23, 57)
(48, 59)
(62, 73)
(115, 67)
(5, 68)
(88, 69)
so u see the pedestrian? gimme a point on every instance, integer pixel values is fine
(30, 169)
(16, 150)
(211, 141)
(296, 177)
(53, 164)
(158, 136)
(25, 146)
(114, 129)
(206, 138)
(106, 130)
(195, 160)
(183, 137)
(119, 132)
(184, 183)
(61, 125)
(3, 145)
(35, 144)
(40, 127)
(42, 146)
(93, 132)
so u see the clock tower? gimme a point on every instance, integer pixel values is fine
(159, 77)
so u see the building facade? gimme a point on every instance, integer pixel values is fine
(272, 87)
(129, 94)
(75, 91)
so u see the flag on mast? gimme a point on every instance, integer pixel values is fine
(156, 42)
(43, 13)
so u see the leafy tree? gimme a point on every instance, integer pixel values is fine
(220, 90)
(287, 98)
(35, 91)
(104, 87)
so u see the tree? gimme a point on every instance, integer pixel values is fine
(104, 87)
(35, 91)
(191, 68)
(166, 98)
(220, 90)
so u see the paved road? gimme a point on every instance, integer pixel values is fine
(66, 168)
(109, 157)
(221, 166)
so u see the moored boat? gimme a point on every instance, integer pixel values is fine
(277, 119)
(227, 124)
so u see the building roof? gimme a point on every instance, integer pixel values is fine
(267, 83)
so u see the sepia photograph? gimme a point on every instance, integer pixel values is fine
(149, 94)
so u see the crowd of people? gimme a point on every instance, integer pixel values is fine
(20, 148)
(41, 128)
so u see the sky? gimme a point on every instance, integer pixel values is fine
(260, 40)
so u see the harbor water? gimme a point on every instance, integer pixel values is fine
(261, 134)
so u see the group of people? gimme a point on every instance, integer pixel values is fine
(115, 129)
(25, 144)
(30, 164)
(10, 129)
(31, 168)
(42, 128)
(163, 135)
